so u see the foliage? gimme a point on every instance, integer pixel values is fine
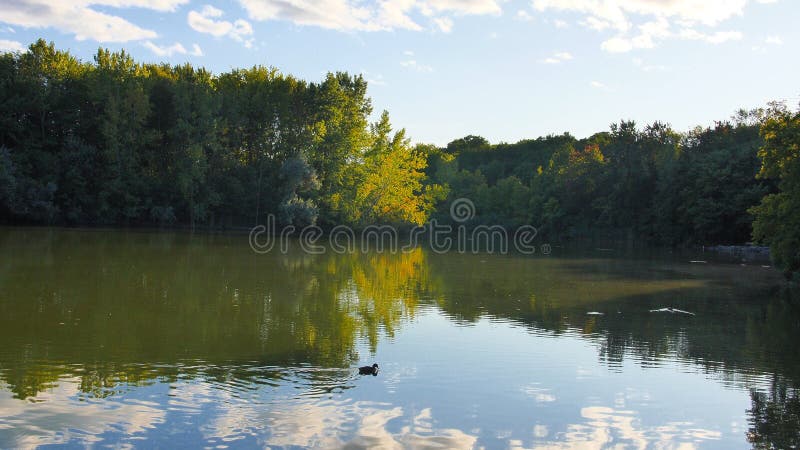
(652, 184)
(388, 185)
(116, 142)
(777, 217)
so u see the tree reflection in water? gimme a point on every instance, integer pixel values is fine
(775, 417)
(126, 310)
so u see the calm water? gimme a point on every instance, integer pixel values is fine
(173, 340)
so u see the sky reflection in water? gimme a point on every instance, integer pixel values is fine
(165, 339)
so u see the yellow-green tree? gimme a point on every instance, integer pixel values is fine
(387, 182)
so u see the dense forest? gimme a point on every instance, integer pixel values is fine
(116, 142)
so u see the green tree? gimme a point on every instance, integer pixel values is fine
(777, 217)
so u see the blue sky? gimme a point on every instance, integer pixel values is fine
(506, 70)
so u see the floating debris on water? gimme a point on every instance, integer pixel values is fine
(672, 310)
(594, 313)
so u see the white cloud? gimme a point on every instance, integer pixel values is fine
(11, 46)
(723, 36)
(557, 58)
(598, 85)
(408, 53)
(524, 16)
(205, 21)
(595, 24)
(355, 15)
(715, 38)
(196, 50)
(157, 5)
(77, 17)
(445, 24)
(202, 21)
(617, 45)
(173, 49)
(608, 12)
(618, 12)
(639, 62)
(413, 64)
(392, 15)
(332, 14)
(641, 24)
(373, 79)
(651, 33)
(464, 6)
(655, 29)
(560, 23)
(774, 40)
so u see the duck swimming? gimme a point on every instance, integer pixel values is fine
(368, 370)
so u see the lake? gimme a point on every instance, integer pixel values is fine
(172, 339)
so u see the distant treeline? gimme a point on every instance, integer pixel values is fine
(736, 182)
(115, 142)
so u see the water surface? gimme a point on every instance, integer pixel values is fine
(178, 340)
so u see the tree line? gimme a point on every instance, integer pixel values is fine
(733, 183)
(116, 142)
